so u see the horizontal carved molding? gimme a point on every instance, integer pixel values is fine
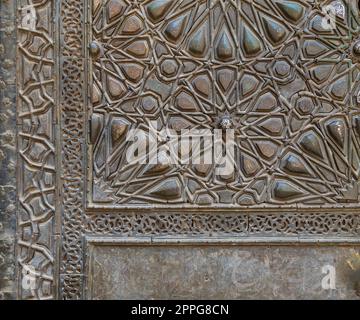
(243, 224)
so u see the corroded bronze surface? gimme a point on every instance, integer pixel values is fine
(7, 148)
(220, 272)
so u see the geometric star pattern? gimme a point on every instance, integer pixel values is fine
(288, 83)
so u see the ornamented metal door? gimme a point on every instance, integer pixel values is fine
(283, 76)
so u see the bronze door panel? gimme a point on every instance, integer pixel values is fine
(284, 78)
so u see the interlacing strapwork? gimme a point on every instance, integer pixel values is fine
(283, 75)
(36, 116)
(284, 72)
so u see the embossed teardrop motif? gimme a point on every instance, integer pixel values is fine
(250, 43)
(337, 131)
(199, 41)
(265, 69)
(274, 31)
(292, 10)
(175, 28)
(157, 9)
(224, 49)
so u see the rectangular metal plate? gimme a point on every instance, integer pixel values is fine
(166, 270)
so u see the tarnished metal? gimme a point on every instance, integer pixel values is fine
(356, 48)
(225, 122)
(280, 70)
(95, 49)
(283, 75)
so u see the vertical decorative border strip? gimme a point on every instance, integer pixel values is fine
(7, 148)
(37, 119)
(72, 104)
